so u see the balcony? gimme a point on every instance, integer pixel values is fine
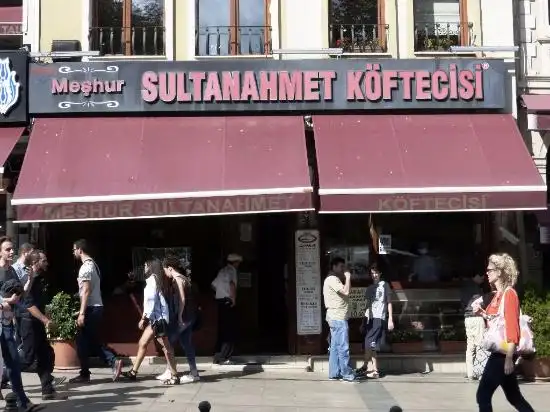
(128, 41)
(233, 41)
(439, 37)
(359, 38)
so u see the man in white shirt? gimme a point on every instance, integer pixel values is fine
(336, 298)
(225, 285)
(89, 316)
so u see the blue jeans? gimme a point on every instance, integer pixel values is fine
(87, 341)
(185, 339)
(13, 367)
(338, 359)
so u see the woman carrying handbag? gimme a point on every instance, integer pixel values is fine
(154, 321)
(504, 308)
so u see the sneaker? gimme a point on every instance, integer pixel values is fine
(189, 379)
(117, 369)
(80, 379)
(54, 396)
(164, 375)
(350, 380)
(337, 378)
(31, 407)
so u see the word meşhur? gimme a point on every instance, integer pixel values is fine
(372, 84)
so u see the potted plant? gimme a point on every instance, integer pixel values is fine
(536, 304)
(62, 330)
(452, 340)
(406, 341)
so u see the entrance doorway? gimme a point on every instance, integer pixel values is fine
(274, 237)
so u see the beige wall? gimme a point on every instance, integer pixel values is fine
(304, 25)
(60, 20)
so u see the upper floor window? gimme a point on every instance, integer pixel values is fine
(11, 18)
(358, 26)
(128, 27)
(232, 27)
(440, 24)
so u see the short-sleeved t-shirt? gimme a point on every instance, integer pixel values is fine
(378, 296)
(88, 272)
(337, 304)
(222, 282)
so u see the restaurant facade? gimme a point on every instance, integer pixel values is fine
(286, 162)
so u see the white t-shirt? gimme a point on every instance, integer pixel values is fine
(221, 284)
(88, 272)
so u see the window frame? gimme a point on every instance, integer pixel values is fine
(234, 25)
(126, 24)
(380, 21)
(464, 30)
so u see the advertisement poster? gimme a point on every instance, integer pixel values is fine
(308, 282)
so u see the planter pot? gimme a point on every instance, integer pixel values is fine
(65, 355)
(536, 369)
(452, 346)
(407, 347)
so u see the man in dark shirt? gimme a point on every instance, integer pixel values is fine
(36, 352)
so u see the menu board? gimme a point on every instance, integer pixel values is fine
(357, 303)
(308, 282)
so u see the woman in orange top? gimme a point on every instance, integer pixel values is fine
(502, 273)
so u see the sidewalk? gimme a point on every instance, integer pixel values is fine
(257, 390)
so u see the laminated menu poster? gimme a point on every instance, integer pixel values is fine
(308, 282)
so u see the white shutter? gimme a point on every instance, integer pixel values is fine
(445, 13)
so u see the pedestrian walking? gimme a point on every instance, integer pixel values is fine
(154, 322)
(89, 316)
(336, 298)
(36, 353)
(225, 286)
(10, 293)
(502, 273)
(184, 313)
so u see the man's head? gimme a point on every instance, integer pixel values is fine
(25, 253)
(40, 261)
(375, 274)
(234, 259)
(6, 250)
(81, 249)
(337, 265)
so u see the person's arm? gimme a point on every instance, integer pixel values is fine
(181, 291)
(149, 298)
(84, 295)
(347, 284)
(390, 306)
(511, 321)
(34, 311)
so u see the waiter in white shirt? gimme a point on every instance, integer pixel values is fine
(225, 285)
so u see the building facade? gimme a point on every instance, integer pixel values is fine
(217, 126)
(533, 34)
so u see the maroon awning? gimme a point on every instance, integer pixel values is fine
(8, 139)
(536, 102)
(443, 162)
(124, 168)
(10, 20)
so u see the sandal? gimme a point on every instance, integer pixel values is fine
(172, 380)
(131, 375)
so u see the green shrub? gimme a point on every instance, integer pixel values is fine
(536, 303)
(61, 311)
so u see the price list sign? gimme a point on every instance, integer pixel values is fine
(308, 282)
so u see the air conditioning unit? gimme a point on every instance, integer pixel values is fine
(66, 46)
